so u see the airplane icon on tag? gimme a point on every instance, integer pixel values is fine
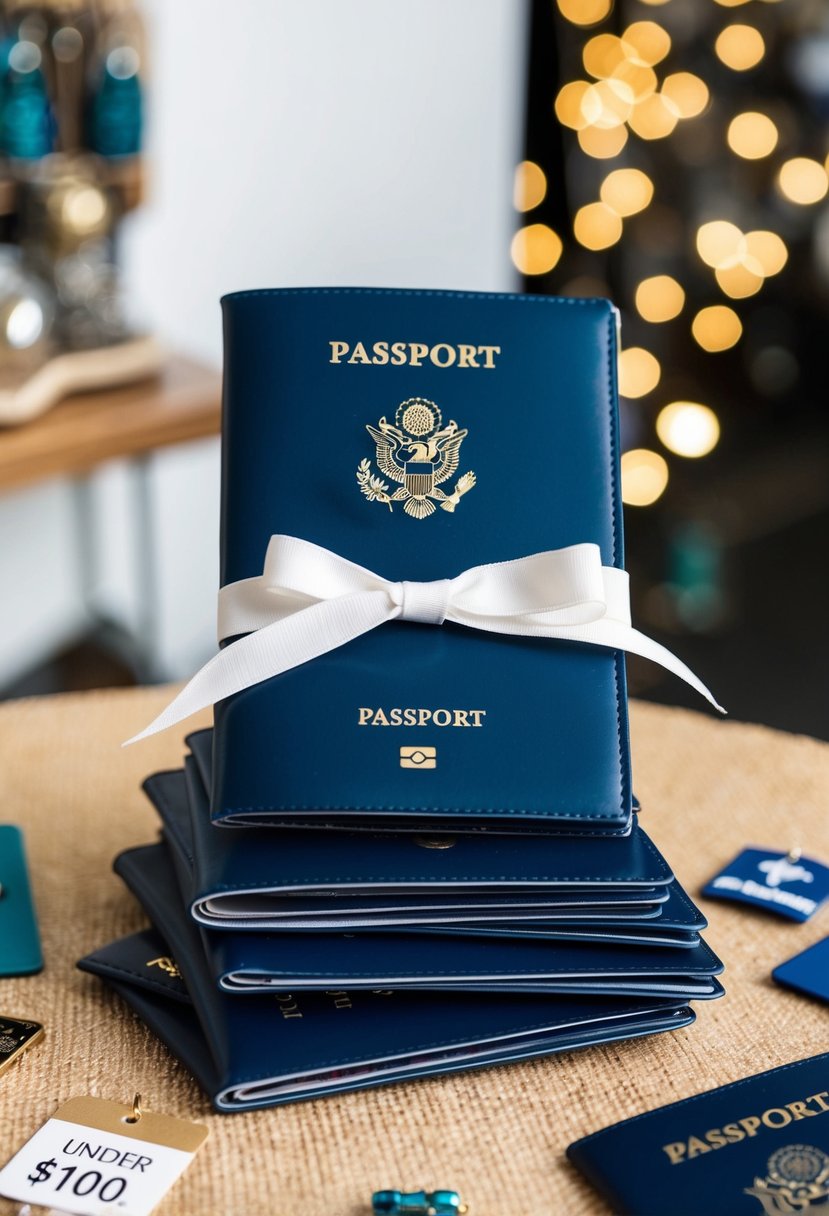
(784, 883)
(781, 870)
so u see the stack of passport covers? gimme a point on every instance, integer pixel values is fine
(419, 852)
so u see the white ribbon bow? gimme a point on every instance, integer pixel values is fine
(308, 601)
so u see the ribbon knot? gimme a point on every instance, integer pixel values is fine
(427, 603)
(308, 601)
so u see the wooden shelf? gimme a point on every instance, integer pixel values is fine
(183, 403)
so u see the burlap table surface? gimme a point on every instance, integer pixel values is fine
(708, 787)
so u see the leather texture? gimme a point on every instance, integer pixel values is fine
(263, 962)
(229, 873)
(251, 1052)
(200, 743)
(542, 441)
(307, 862)
(757, 1145)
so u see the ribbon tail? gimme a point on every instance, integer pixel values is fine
(277, 648)
(608, 631)
(621, 636)
(649, 649)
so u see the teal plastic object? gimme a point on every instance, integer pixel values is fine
(417, 1203)
(20, 952)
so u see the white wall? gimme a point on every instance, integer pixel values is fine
(291, 142)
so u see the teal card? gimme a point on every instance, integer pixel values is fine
(20, 952)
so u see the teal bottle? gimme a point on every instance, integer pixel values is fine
(27, 129)
(115, 119)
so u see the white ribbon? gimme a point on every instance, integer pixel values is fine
(308, 601)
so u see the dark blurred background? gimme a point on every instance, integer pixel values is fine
(677, 162)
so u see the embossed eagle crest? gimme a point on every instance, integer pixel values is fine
(418, 453)
(797, 1180)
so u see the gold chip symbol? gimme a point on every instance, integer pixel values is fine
(418, 757)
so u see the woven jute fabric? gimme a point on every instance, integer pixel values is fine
(708, 787)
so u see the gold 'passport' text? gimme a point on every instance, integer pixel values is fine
(415, 354)
(772, 1119)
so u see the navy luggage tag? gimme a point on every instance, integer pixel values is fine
(786, 883)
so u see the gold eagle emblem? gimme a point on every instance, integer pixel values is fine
(797, 1181)
(418, 453)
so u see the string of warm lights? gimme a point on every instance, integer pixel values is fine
(627, 95)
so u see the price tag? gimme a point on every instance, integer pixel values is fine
(94, 1157)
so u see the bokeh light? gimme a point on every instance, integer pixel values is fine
(530, 187)
(717, 328)
(644, 477)
(768, 249)
(84, 209)
(688, 428)
(740, 47)
(24, 323)
(651, 42)
(719, 242)
(626, 191)
(603, 145)
(536, 249)
(742, 279)
(752, 135)
(639, 372)
(638, 77)
(604, 53)
(568, 104)
(659, 298)
(654, 118)
(686, 93)
(608, 103)
(803, 181)
(585, 12)
(597, 227)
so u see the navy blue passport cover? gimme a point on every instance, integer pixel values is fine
(757, 1145)
(242, 962)
(552, 747)
(313, 878)
(306, 862)
(250, 1052)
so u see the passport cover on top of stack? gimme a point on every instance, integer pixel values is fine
(503, 407)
